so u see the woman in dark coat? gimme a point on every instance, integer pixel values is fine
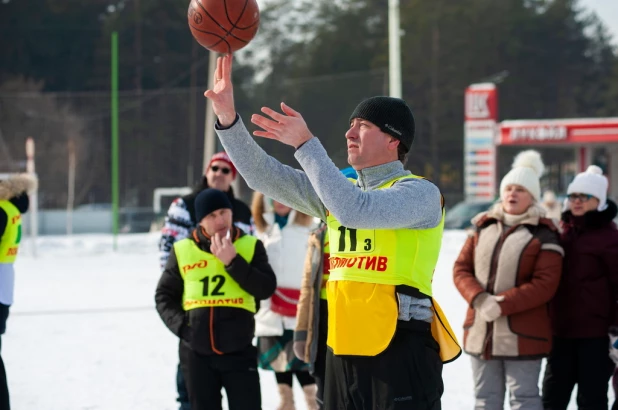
(583, 311)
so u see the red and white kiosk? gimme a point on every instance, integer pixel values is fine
(568, 146)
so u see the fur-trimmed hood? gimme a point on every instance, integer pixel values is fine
(535, 215)
(16, 185)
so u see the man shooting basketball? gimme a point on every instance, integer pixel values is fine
(385, 231)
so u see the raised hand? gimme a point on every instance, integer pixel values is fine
(289, 127)
(223, 249)
(222, 94)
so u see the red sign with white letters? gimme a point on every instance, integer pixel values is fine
(481, 102)
(567, 131)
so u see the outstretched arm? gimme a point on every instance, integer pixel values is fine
(265, 174)
(413, 203)
(410, 203)
(262, 172)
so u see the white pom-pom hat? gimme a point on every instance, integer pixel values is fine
(591, 182)
(526, 171)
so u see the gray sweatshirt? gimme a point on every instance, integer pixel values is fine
(409, 203)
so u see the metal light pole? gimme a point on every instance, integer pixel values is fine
(210, 142)
(394, 49)
(34, 201)
(115, 162)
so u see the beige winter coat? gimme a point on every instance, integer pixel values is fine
(523, 263)
(310, 311)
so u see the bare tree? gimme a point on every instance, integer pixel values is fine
(52, 121)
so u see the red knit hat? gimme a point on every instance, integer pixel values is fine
(222, 156)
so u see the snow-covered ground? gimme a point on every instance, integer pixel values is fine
(84, 335)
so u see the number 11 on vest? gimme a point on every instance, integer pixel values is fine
(349, 240)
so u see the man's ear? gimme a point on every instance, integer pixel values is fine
(393, 144)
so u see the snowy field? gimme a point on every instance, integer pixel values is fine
(84, 335)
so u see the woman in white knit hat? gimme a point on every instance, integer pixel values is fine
(585, 307)
(508, 271)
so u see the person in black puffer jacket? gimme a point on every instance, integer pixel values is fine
(207, 296)
(180, 221)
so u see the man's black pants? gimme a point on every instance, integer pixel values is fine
(584, 362)
(237, 373)
(181, 387)
(407, 375)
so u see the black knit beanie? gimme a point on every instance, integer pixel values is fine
(210, 200)
(392, 115)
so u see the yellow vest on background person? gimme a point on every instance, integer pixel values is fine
(366, 265)
(206, 282)
(10, 239)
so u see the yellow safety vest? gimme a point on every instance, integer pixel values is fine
(9, 242)
(206, 283)
(365, 267)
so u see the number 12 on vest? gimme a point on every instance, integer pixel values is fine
(218, 280)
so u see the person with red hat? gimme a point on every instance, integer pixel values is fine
(180, 221)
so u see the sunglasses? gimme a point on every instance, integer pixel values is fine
(581, 197)
(224, 170)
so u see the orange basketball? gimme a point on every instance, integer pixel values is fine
(223, 26)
